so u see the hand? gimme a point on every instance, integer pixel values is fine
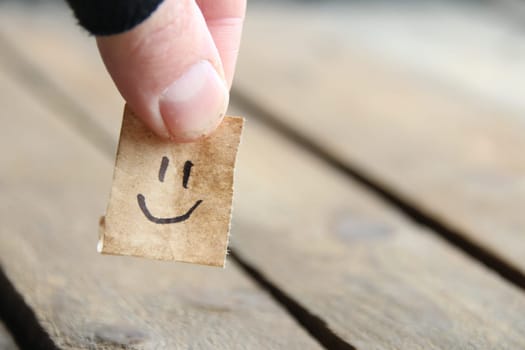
(175, 69)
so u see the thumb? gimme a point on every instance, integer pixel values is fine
(169, 71)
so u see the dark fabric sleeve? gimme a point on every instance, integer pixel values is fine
(104, 17)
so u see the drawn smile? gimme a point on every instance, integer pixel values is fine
(142, 204)
(162, 173)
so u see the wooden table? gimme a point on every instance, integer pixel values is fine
(379, 194)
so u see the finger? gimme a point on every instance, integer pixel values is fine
(225, 20)
(169, 71)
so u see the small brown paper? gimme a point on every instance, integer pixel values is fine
(171, 201)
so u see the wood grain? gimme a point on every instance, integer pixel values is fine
(54, 187)
(456, 157)
(378, 281)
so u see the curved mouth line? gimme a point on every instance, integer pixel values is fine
(142, 205)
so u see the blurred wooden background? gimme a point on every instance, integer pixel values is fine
(379, 198)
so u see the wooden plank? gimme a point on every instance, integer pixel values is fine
(54, 187)
(376, 280)
(457, 158)
(465, 46)
(6, 343)
(58, 25)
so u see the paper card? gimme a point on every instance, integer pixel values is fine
(171, 201)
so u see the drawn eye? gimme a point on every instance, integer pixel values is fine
(163, 166)
(187, 170)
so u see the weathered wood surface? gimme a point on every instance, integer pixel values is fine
(442, 144)
(54, 187)
(377, 281)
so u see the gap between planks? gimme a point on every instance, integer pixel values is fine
(375, 108)
(313, 324)
(453, 236)
(20, 320)
(26, 330)
(6, 340)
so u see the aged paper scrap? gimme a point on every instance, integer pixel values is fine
(171, 201)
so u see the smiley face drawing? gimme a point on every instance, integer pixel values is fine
(171, 201)
(141, 200)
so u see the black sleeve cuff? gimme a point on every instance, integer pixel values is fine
(105, 17)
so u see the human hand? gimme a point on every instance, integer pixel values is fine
(176, 67)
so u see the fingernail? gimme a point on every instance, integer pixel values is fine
(194, 105)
